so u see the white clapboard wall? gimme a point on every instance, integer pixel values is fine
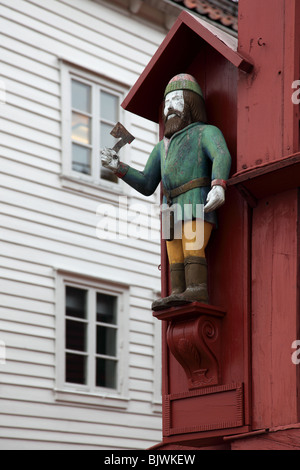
(48, 227)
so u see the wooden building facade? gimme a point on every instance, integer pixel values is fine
(230, 378)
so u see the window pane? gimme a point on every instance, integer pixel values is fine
(76, 302)
(106, 341)
(106, 309)
(81, 159)
(81, 128)
(106, 371)
(81, 96)
(76, 335)
(106, 140)
(76, 369)
(109, 106)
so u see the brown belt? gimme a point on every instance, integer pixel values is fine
(196, 183)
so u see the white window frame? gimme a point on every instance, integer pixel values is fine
(71, 179)
(90, 393)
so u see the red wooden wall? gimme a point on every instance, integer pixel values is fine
(268, 131)
(269, 37)
(254, 255)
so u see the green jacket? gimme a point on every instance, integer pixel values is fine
(197, 151)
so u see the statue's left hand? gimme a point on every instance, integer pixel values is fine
(215, 198)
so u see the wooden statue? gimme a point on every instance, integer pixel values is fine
(193, 163)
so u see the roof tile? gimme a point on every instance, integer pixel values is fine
(221, 11)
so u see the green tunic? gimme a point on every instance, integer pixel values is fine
(197, 151)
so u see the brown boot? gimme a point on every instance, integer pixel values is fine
(196, 280)
(178, 286)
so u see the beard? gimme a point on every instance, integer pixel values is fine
(178, 122)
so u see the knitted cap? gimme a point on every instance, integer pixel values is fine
(183, 81)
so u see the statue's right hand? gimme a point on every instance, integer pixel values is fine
(110, 159)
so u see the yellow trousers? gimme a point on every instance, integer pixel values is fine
(195, 237)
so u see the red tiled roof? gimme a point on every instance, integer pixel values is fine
(220, 11)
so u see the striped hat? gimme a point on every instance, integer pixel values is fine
(183, 81)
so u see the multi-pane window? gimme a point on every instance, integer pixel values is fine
(91, 338)
(94, 111)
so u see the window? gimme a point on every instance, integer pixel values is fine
(90, 108)
(102, 357)
(92, 319)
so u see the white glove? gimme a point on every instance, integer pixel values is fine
(215, 198)
(110, 159)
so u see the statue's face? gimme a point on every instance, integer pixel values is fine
(174, 102)
(176, 113)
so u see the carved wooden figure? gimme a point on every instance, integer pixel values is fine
(193, 163)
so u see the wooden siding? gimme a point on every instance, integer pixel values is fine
(45, 227)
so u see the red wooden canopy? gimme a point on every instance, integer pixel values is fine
(174, 56)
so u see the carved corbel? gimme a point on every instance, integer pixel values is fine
(194, 339)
